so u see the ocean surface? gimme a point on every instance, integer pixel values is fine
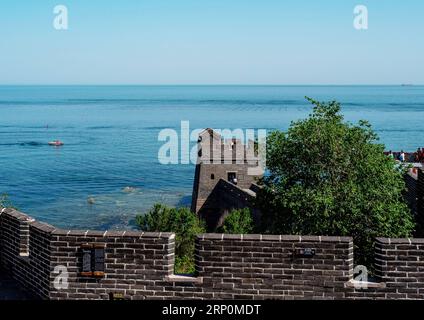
(111, 140)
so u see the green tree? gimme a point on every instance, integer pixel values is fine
(331, 177)
(184, 223)
(5, 201)
(238, 222)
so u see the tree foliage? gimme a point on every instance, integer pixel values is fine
(184, 223)
(238, 222)
(5, 201)
(331, 177)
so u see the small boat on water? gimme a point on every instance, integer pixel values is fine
(56, 143)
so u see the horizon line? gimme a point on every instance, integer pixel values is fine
(209, 84)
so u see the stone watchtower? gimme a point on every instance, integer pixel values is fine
(225, 176)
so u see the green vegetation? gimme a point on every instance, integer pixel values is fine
(325, 176)
(186, 226)
(330, 177)
(5, 201)
(238, 222)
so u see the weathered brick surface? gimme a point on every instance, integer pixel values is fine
(25, 250)
(140, 265)
(420, 199)
(414, 195)
(134, 263)
(267, 266)
(411, 194)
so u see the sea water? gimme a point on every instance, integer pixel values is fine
(111, 139)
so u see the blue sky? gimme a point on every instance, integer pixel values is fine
(211, 42)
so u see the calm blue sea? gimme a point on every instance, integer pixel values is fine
(111, 139)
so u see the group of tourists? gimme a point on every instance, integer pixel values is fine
(417, 156)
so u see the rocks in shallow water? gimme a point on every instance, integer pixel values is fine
(129, 189)
(119, 203)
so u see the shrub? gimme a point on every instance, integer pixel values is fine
(5, 201)
(184, 223)
(238, 222)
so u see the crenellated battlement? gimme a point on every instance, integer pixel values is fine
(138, 265)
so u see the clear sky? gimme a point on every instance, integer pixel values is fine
(211, 42)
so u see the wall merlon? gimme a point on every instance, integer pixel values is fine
(141, 264)
(43, 227)
(92, 233)
(17, 215)
(77, 233)
(113, 234)
(252, 237)
(271, 237)
(211, 236)
(400, 241)
(291, 238)
(60, 232)
(233, 237)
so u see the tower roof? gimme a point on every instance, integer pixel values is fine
(211, 133)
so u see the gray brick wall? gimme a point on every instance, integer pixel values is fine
(269, 266)
(411, 193)
(25, 250)
(140, 265)
(414, 196)
(420, 197)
